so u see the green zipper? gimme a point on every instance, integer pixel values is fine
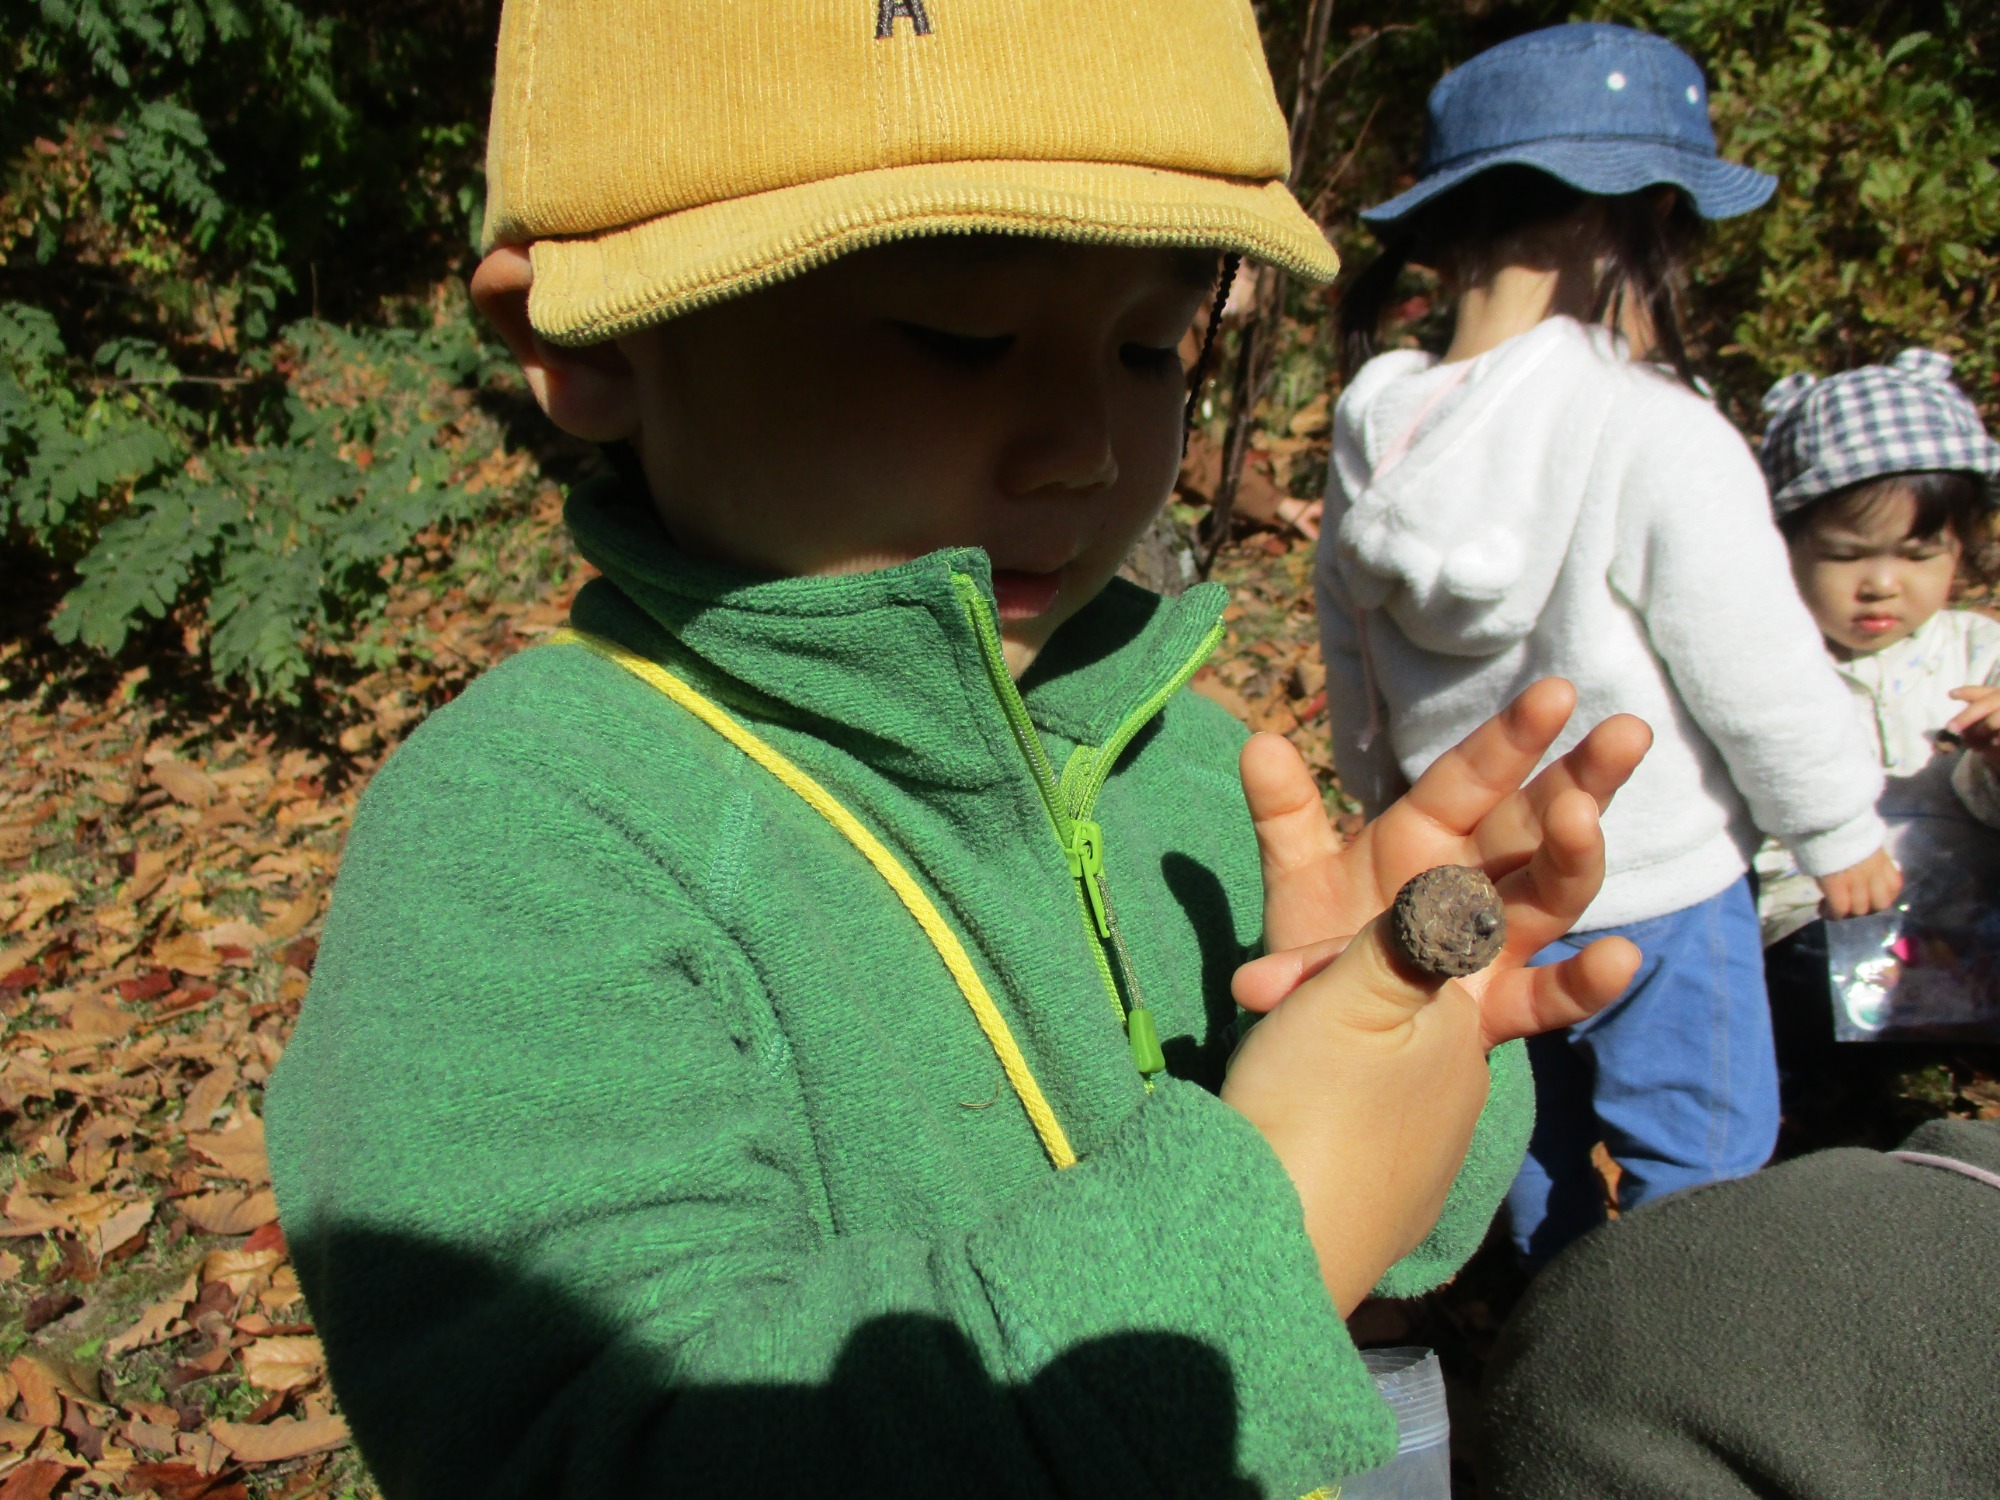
(1069, 802)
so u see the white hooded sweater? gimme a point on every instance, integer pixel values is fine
(1552, 508)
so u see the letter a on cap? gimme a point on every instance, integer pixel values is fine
(888, 12)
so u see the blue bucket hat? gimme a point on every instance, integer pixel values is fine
(1606, 109)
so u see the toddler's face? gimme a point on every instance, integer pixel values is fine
(1019, 395)
(1868, 582)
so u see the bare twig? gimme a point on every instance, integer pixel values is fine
(1255, 350)
(1359, 46)
(1312, 78)
(1347, 160)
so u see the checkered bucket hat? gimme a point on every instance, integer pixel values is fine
(1898, 418)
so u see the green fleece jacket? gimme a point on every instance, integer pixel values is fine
(635, 1141)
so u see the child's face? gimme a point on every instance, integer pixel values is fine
(1868, 582)
(1022, 396)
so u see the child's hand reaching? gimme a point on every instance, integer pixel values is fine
(1366, 1078)
(1978, 723)
(1871, 886)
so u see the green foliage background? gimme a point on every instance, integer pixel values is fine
(1880, 118)
(235, 374)
(238, 378)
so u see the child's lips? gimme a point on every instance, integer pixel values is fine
(1021, 595)
(1876, 624)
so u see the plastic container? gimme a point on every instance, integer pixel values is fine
(1412, 1382)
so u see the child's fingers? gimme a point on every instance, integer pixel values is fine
(1599, 765)
(1469, 780)
(1981, 718)
(1982, 704)
(1602, 762)
(1261, 983)
(1528, 1002)
(1546, 896)
(1366, 985)
(1885, 884)
(1291, 824)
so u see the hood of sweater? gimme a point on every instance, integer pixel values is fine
(1464, 495)
(888, 664)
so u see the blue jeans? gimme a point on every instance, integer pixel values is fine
(1677, 1076)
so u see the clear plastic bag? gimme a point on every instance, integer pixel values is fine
(1412, 1382)
(1929, 968)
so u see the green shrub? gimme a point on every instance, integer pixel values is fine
(1881, 118)
(352, 443)
(227, 387)
(1885, 230)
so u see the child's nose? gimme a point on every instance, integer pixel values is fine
(1064, 438)
(1879, 580)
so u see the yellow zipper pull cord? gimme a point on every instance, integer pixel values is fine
(957, 962)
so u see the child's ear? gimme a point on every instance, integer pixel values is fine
(588, 392)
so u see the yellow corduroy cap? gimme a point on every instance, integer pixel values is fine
(659, 155)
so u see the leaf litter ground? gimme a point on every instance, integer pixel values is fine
(164, 882)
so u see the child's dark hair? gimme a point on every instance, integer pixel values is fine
(1947, 501)
(1644, 251)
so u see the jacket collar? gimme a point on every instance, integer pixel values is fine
(885, 664)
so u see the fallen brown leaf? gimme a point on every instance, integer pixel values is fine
(120, 1228)
(33, 1481)
(209, 1096)
(42, 1388)
(282, 1292)
(204, 1450)
(202, 1364)
(270, 1237)
(48, 1307)
(182, 1481)
(243, 935)
(230, 1212)
(29, 1215)
(291, 921)
(156, 1323)
(238, 1148)
(148, 986)
(84, 1435)
(153, 1438)
(34, 896)
(274, 1442)
(186, 784)
(18, 1435)
(189, 953)
(16, 956)
(95, 1020)
(240, 1270)
(283, 1363)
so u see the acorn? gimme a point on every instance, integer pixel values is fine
(1448, 922)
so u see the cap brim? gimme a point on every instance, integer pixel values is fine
(1718, 189)
(596, 287)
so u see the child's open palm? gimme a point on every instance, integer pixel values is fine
(1470, 808)
(1366, 1078)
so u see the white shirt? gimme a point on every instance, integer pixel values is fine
(1552, 508)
